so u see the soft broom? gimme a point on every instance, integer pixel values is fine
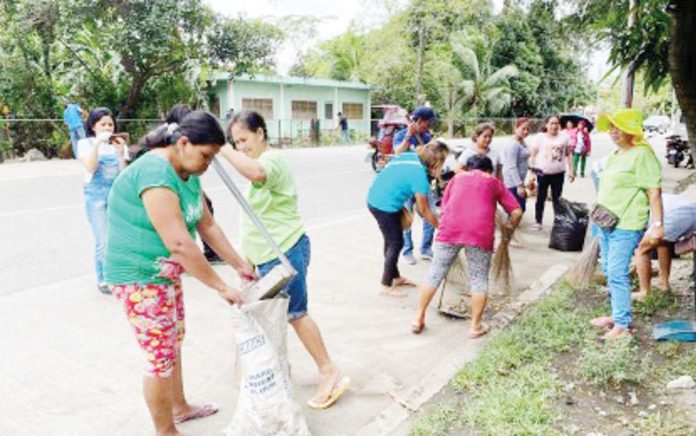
(501, 266)
(581, 274)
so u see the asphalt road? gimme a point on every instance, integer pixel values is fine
(45, 237)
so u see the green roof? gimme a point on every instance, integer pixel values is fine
(289, 80)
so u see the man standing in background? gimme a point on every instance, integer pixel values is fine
(72, 116)
(345, 134)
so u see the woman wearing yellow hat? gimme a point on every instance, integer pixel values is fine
(629, 190)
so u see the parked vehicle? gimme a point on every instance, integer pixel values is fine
(656, 124)
(678, 150)
(382, 146)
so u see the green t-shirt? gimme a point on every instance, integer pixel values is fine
(623, 182)
(134, 250)
(275, 203)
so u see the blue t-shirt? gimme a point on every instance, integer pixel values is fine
(72, 116)
(402, 178)
(401, 134)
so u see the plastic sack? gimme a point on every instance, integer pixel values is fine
(265, 405)
(569, 226)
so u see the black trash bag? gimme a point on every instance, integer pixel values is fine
(569, 226)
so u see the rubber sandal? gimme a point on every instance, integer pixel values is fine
(481, 332)
(394, 292)
(338, 389)
(198, 412)
(404, 282)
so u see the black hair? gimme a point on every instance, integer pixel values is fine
(549, 118)
(94, 116)
(479, 162)
(177, 113)
(252, 120)
(200, 127)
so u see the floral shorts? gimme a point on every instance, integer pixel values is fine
(478, 262)
(156, 313)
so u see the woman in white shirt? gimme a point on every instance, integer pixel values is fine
(102, 156)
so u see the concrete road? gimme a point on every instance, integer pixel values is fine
(69, 362)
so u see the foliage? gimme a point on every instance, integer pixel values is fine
(613, 363)
(136, 57)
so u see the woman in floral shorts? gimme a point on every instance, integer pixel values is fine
(468, 221)
(155, 208)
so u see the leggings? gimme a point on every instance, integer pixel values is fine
(555, 181)
(577, 157)
(390, 226)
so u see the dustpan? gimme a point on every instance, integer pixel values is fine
(678, 330)
(279, 276)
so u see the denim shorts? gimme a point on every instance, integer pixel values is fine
(298, 255)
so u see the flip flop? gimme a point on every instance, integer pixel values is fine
(482, 331)
(403, 282)
(603, 322)
(197, 412)
(417, 328)
(393, 292)
(337, 390)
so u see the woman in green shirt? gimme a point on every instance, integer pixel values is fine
(629, 187)
(273, 196)
(155, 209)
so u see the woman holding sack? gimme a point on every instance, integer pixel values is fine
(102, 156)
(273, 197)
(629, 192)
(405, 176)
(468, 223)
(155, 209)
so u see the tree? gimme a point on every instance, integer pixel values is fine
(660, 44)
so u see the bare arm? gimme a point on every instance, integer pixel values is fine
(249, 168)
(212, 234)
(91, 160)
(571, 167)
(163, 210)
(657, 213)
(423, 207)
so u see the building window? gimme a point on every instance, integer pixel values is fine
(263, 106)
(353, 111)
(328, 111)
(304, 110)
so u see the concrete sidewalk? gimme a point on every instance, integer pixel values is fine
(70, 364)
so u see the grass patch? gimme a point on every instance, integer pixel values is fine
(438, 422)
(655, 302)
(613, 363)
(662, 424)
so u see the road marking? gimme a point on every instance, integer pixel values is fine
(47, 209)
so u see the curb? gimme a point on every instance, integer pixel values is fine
(389, 419)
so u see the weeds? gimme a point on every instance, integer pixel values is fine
(655, 302)
(613, 363)
(662, 424)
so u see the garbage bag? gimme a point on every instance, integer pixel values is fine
(569, 226)
(265, 405)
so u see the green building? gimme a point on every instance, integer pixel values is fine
(289, 104)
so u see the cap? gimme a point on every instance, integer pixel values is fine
(627, 120)
(424, 113)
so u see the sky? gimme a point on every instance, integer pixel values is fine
(336, 16)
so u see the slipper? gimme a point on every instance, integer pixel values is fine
(197, 412)
(417, 328)
(603, 322)
(338, 389)
(480, 332)
(403, 282)
(393, 292)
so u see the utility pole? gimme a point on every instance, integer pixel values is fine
(629, 72)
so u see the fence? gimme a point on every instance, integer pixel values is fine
(51, 137)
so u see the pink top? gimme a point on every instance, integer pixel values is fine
(468, 209)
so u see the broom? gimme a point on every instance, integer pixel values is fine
(501, 266)
(581, 274)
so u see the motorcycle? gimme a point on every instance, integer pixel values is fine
(382, 147)
(677, 151)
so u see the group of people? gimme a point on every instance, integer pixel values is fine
(145, 214)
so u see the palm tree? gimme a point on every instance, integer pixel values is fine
(487, 89)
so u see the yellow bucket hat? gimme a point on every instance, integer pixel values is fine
(627, 120)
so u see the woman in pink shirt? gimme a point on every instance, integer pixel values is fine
(468, 221)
